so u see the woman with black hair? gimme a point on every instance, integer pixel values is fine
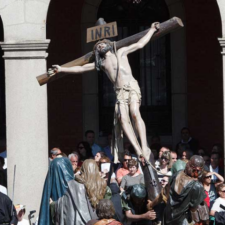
(84, 150)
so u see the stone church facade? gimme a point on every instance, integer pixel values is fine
(36, 34)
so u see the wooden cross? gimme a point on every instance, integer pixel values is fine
(165, 28)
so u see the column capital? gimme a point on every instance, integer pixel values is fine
(25, 49)
(222, 44)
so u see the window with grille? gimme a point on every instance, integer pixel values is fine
(150, 67)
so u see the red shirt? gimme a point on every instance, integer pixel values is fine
(207, 199)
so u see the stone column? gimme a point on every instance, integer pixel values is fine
(222, 44)
(26, 120)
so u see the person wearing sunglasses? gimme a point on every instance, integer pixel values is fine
(165, 165)
(124, 170)
(84, 150)
(219, 204)
(164, 181)
(161, 151)
(120, 173)
(54, 152)
(209, 187)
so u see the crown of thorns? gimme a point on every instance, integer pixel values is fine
(105, 41)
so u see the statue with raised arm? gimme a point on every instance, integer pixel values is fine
(116, 66)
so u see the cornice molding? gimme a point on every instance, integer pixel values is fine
(25, 49)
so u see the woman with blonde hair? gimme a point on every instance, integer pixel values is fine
(78, 204)
(94, 184)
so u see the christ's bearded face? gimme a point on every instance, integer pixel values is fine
(103, 48)
(100, 50)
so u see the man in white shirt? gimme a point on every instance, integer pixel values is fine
(219, 201)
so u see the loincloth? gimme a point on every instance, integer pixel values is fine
(128, 93)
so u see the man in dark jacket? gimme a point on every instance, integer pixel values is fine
(7, 215)
(187, 195)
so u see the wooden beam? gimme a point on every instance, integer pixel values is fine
(165, 28)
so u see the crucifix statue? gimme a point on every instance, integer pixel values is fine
(111, 58)
(116, 66)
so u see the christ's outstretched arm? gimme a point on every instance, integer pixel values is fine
(74, 69)
(141, 43)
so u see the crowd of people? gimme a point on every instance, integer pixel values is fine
(87, 187)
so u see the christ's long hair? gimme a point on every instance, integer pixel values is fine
(94, 184)
(100, 55)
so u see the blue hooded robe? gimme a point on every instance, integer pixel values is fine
(56, 185)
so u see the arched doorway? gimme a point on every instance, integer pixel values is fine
(178, 73)
(150, 66)
(204, 72)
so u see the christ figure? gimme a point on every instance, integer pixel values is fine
(116, 66)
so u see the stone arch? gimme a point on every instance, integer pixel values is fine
(176, 8)
(221, 5)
